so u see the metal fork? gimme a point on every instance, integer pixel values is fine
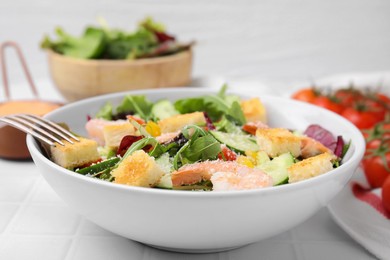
(42, 129)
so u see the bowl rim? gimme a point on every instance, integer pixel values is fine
(358, 151)
(105, 62)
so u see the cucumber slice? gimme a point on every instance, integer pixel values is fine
(240, 143)
(165, 182)
(164, 109)
(277, 168)
(262, 157)
(166, 166)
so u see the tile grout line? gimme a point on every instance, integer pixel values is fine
(297, 246)
(22, 206)
(74, 239)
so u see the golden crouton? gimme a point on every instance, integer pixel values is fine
(254, 110)
(311, 167)
(73, 155)
(277, 141)
(113, 134)
(138, 169)
(177, 122)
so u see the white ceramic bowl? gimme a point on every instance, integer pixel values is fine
(200, 221)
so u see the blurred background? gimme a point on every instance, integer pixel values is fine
(283, 40)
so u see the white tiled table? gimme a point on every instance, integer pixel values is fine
(36, 224)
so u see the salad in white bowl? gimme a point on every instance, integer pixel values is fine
(212, 142)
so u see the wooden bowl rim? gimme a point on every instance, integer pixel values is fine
(145, 61)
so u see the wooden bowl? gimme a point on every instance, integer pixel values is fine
(77, 78)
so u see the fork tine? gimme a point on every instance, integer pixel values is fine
(34, 127)
(26, 130)
(52, 127)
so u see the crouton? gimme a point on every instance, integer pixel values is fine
(177, 122)
(254, 110)
(73, 155)
(311, 167)
(277, 141)
(138, 169)
(113, 134)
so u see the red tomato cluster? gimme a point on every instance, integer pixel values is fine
(376, 161)
(362, 108)
(370, 112)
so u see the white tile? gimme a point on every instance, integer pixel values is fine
(7, 211)
(89, 228)
(102, 248)
(46, 219)
(263, 250)
(34, 248)
(15, 168)
(15, 188)
(335, 250)
(320, 227)
(44, 193)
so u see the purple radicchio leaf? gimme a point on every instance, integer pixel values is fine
(321, 135)
(209, 123)
(338, 151)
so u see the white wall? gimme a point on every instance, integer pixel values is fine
(283, 40)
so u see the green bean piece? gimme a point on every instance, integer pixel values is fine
(99, 166)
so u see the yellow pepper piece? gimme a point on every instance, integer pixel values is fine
(244, 160)
(153, 129)
(252, 156)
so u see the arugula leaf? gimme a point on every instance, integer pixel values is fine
(140, 128)
(216, 106)
(228, 126)
(200, 146)
(192, 132)
(236, 113)
(105, 112)
(189, 105)
(222, 91)
(138, 104)
(203, 148)
(157, 150)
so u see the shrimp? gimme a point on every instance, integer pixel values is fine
(251, 127)
(95, 127)
(311, 147)
(167, 137)
(224, 175)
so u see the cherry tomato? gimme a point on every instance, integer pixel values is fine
(376, 135)
(381, 99)
(328, 103)
(306, 95)
(227, 154)
(373, 144)
(376, 165)
(348, 96)
(386, 194)
(361, 119)
(376, 108)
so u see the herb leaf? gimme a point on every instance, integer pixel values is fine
(137, 104)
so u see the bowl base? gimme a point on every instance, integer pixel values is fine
(195, 251)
